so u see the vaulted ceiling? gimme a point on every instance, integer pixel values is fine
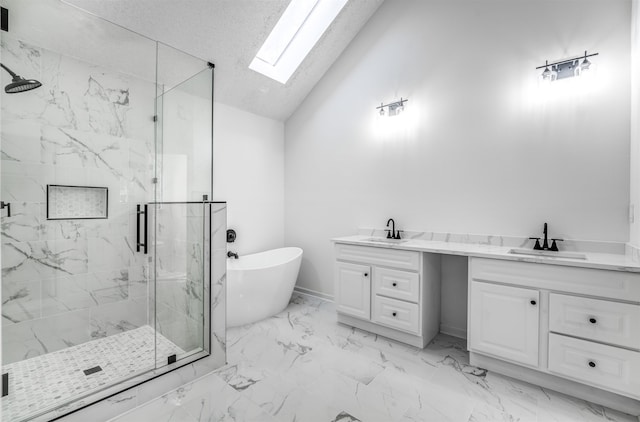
(229, 33)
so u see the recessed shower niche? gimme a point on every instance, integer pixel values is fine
(88, 313)
(77, 202)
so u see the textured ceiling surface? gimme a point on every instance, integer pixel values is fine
(229, 33)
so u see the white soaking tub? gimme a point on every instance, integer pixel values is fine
(260, 285)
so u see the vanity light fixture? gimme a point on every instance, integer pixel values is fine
(296, 32)
(566, 68)
(394, 108)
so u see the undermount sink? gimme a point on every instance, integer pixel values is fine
(553, 254)
(385, 240)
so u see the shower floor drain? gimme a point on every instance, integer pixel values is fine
(92, 370)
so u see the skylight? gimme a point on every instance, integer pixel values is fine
(298, 30)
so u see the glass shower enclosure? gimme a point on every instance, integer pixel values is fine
(106, 224)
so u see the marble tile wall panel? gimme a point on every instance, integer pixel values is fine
(139, 276)
(83, 291)
(21, 141)
(25, 223)
(117, 317)
(20, 301)
(44, 335)
(28, 261)
(23, 182)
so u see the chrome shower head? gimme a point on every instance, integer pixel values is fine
(19, 84)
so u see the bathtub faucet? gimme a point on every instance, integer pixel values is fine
(232, 254)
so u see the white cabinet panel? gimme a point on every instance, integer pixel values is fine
(353, 289)
(601, 320)
(397, 284)
(586, 281)
(387, 257)
(611, 368)
(504, 322)
(397, 314)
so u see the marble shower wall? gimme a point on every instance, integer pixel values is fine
(66, 282)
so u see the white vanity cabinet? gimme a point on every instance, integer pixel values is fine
(388, 291)
(564, 327)
(505, 322)
(353, 289)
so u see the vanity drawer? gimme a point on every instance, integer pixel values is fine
(397, 284)
(396, 314)
(587, 281)
(611, 368)
(386, 257)
(600, 320)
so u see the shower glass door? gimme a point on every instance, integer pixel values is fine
(182, 214)
(182, 258)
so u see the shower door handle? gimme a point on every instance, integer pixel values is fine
(138, 213)
(6, 205)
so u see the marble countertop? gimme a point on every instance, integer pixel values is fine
(605, 261)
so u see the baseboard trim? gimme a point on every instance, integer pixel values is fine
(313, 293)
(453, 331)
(562, 385)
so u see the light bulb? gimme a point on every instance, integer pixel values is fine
(382, 111)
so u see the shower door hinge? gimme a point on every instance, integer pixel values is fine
(4, 19)
(5, 384)
(172, 359)
(155, 118)
(154, 180)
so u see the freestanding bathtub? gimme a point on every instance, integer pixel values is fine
(260, 285)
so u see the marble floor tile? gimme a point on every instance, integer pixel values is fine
(303, 366)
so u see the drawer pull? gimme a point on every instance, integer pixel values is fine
(533, 302)
(366, 274)
(592, 364)
(393, 313)
(592, 320)
(394, 284)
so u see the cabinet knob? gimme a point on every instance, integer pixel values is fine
(592, 364)
(366, 274)
(394, 284)
(592, 320)
(533, 302)
(393, 313)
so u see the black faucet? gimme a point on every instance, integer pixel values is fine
(232, 254)
(545, 243)
(392, 234)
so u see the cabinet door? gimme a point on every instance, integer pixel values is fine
(503, 322)
(353, 289)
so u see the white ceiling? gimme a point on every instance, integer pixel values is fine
(228, 33)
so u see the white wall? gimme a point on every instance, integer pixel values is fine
(482, 148)
(634, 232)
(248, 173)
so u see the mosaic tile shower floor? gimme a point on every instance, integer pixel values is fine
(47, 380)
(302, 366)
